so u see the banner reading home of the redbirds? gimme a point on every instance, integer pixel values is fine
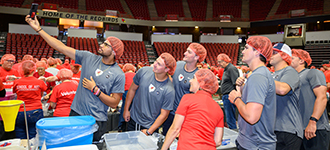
(66, 15)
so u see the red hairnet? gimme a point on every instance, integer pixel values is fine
(6, 57)
(262, 45)
(35, 60)
(28, 67)
(117, 46)
(170, 62)
(207, 80)
(51, 61)
(73, 63)
(304, 55)
(27, 57)
(128, 67)
(224, 57)
(199, 50)
(64, 74)
(286, 57)
(41, 64)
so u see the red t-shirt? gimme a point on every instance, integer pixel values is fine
(128, 79)
(76, 77)
(49, 84)
(29, 90)
(327, 77)
(202, 116)
(4, 73)
(1, 86)
(63, 95)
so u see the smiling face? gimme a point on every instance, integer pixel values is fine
(105, 49)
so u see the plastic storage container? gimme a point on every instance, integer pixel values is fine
(66, 131)
(129, 140)
(228, 140)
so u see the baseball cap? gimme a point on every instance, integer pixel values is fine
(283, 48)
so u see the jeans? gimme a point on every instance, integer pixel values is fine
(32, 117)
(122, 123)
(230, 110)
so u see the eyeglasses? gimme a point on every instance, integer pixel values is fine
(11, 61)
(275, 52)
(106, 44)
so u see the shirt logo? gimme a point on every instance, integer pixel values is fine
(152, 88)
(181, 77)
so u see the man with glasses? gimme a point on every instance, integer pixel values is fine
(184, 72)
(288, 125)
(229, 78)
(7, 73)
(103, 80)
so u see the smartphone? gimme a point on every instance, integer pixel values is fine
(33, 10)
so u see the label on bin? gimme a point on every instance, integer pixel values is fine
(225, 142)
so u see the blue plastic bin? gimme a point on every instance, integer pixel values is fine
(66, 131)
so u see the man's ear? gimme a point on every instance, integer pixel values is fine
(196, 57)
(167, 69)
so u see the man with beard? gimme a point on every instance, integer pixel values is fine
(103, 80)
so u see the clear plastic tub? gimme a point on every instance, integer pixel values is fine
(228, 140)
(129, 140)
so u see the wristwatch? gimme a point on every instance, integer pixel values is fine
(313, 118)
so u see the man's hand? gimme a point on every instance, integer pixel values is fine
(33, 23)
(127, 116)
(240, 81)
(145, 131)
(233, 94)
(89, 84)
(310, 130)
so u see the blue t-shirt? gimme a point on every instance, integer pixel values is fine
(150, 97)
(109, 78)
(259, 88)
(181, 83)
(288, 118)
(309, 79)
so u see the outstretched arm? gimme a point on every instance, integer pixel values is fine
(53, 42)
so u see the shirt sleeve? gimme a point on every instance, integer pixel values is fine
(291, 77)
(80, 55)
(1, 86)
(233, 75)
(221, 123)
(43, 86)
(136, 78)
(316, 78)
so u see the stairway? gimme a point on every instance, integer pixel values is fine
(151, 53)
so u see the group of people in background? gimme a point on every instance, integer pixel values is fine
(282, 107)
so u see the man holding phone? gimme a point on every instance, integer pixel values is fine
(103, 80)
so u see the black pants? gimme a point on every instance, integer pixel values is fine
(167, 124)
(6, 135)
(321, 141)
(287, 141)
(102, 127)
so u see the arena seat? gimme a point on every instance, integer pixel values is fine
(197, 9)
(165, 7)
(139, 9)
(259, 9)
(73, 4)
(227, 7)
(310, 5)
(11, 3)
(102, 5)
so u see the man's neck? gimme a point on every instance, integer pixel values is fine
(108, 60)
(300, 68)
(255, 63)
(189, 67)
(161, 76)
(280, 65)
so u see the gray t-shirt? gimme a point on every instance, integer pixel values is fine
(111, 80)
(309, 79)
(288, 118)
(150, 97)
(259, 88)
(229, 78)
(181, 83)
